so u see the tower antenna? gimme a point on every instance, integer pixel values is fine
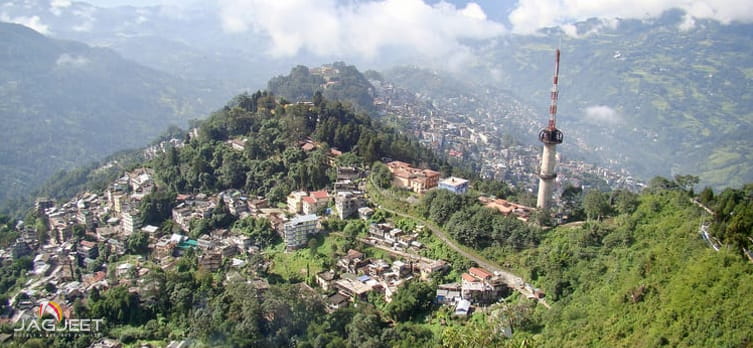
(551, 137)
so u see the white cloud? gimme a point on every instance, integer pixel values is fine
(56, 6)
(87, 14)
(360, 28)
(531, 15)
(70, 61)
(602, 114)
(33, 22)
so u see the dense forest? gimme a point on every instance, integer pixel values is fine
(273, 161)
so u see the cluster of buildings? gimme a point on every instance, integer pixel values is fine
(357, 276)
(478, 286)
(348, 197)
(387, 234)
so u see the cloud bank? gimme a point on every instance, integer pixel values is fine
(70, 61)
(363, 28)
(602, 114)
(33, 22)
(531, 15)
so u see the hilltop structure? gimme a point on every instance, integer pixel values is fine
(550, 136)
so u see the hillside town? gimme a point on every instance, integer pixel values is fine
(91, 230)
(492, 134)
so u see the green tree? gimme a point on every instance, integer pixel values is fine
(411, 300)
(595, 204)
(156, 207)
(118, 306)
(137, 243)
(381, 175)
(624, 201)
(258, 229)
(687, 182)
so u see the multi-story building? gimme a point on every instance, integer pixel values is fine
(417, 180)
(321, 199)
(295, 201)
(347, 203)
(302, 202)
(129, 222)
(297, 230)
(454, 185)
(210, 260)
(43, 204)
(87, 219)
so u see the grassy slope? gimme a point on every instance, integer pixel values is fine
(693, 295)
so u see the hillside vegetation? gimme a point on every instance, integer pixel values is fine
(64, 104)
(640, 279)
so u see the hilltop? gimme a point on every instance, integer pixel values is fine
(336, 81)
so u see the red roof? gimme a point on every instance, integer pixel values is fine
(308, 147)
(309, 200)
(335, 152)
(469, 278)
(480, 272)
(321, 194)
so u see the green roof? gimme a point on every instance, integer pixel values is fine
(191, 243)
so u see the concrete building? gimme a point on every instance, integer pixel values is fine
(347, 203)
(297, 230)
(295, 201)
(505, 207)
(308, 205)
(454, 185)
(210, 260)
(129, 221)
(87, 219)
(43, 204)
(414, 179)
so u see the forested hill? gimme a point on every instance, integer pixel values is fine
(643, 279)
(336, 81)
(64, 104)
(637, 273)
(271, 156)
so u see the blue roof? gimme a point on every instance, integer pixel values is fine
(363, 278)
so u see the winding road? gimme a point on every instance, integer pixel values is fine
(513, 281)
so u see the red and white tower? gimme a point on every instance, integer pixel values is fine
(550, 136)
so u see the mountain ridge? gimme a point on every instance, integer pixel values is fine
(65, 103)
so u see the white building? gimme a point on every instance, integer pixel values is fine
(347, 203)
(297, 230)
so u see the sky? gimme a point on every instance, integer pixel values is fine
(525, 16)
(436, 28)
